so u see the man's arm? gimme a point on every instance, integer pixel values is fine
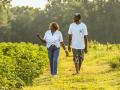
(38, 35)
(69, 42)
(86, 43)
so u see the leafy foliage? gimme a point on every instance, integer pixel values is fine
(20, 63)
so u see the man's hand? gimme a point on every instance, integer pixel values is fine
(85, 50)
(69, 48)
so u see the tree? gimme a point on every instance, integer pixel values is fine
(4, 12)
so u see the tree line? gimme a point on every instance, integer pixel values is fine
(22, 23)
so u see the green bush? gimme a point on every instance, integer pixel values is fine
(20, 63)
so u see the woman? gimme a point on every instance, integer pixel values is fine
(53, 39)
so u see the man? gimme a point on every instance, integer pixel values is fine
(78, 40)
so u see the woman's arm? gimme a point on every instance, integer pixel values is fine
(63, 46)
(38, 35)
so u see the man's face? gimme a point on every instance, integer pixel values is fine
(76, 18)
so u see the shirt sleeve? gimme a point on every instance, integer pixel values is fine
(61, 37)
(85, 30)
(70, 30)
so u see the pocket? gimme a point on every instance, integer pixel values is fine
(81, 32)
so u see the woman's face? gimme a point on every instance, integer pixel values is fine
(52, 28)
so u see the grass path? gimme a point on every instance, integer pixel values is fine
(96, 74)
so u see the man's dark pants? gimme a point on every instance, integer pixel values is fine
(78, 56)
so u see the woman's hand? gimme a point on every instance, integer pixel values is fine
(66, 52)
(69, 48)
(38, 34)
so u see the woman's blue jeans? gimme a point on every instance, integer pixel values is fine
(53, 53)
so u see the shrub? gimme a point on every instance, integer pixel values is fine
(20, 63)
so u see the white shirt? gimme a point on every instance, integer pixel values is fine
(54, 39)
(78, 32)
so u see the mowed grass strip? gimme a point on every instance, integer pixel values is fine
(100, 71)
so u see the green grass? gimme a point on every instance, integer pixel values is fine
(100, 71)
